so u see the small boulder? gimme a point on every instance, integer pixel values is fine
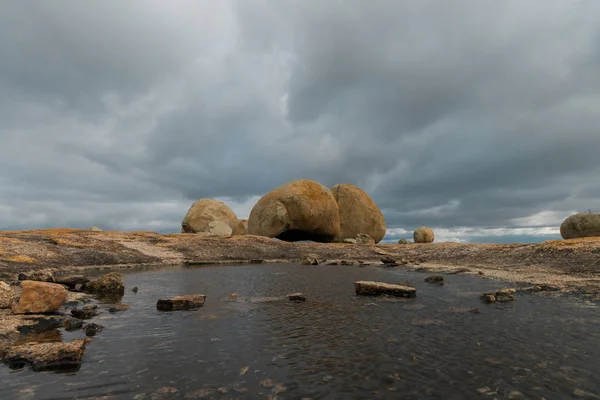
(435, 279)
(45, 356)
(38, 276)
(109, 283)
(6, 295)
(135, 289)
(242, 227)
(298, 210)
(403, 241)
(388, 260)
(423, 235)
(296, 297)
(370, 288)
(205, 211)
(580, 225)
(95, 229)
(309, 260)
(92, 329)
(188, 302)
(499, 295)
(364, 239)
(40, 297)
(118, 308)
(87, 312)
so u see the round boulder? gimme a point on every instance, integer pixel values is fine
(358, 213)
(205, 211)
(242, 228)
(423, 235)
(580, 225)
(298, 210)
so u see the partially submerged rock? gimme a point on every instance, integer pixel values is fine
(40, 297)
(6, 295)
(423, 234)
(188, 302)
(296, 297)
(499, 295)
(111, 283)
(435, 279)
(118, 308)
(92, 329)
(309, 260)
(364, 239)
(371, 288)
(358, 213)
(72, 281)
(43, 356)
(86, 312)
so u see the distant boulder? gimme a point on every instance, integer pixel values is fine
(298, 210)
(95, 229)
(205, 211)
(242, 227)
(580, 225)
(358, 213)
(403, 241)
(423, 235)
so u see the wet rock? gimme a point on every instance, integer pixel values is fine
(538, 288)
(296, 297)
(87, 312)
(435, 279)
(118, 308)
(73, 324)
(72, 281)
(43, 356)
(403, 241)
(188, 302)
(40, 297)
(309, 260)
(39, 276)
(200, 394)
(364, 239)
(370, 288)
(92, 329)
(499, 295)
(389, 261)
(111, 283)
(6, 295)
(135, 289)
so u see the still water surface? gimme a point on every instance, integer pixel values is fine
(334, 346)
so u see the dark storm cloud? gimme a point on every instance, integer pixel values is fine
(451, 114)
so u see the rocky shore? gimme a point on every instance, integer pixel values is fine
(569, 265)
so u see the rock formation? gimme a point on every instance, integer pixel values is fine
(203, 212)
(580, 225)
(358, 213)
(423, 235)
(298, 210)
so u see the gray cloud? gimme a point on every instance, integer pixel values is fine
(464, 114)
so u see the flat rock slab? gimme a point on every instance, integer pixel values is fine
(43, 356)
(371, 288)
(188, 302)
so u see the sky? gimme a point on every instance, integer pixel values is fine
(478, 118)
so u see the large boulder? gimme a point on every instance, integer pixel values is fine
(111, 283)
(580, 225)
(242, 228)
(298, 210)
(40, 297)
(358, 213)
(423, 235)
(6, 295)
(203, 212)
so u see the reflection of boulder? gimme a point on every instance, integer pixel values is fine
(358, 213)
(580, 225)
(423, 235)
(204, 211)
(40, 297)
(298, 210)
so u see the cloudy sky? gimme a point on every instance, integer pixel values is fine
(480, 118)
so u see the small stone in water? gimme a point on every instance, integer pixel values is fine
(267, 383)
(435, 279)
(164, 393)
(135, 289)
(296, 297)
(244, 370)
(92, 329)
(118, 307)
(188, 302)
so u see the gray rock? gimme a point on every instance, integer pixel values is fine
(188, 302)
(370, 288)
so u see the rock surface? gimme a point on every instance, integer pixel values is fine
(299, 210)
(219, 228)
(118, 308)
(44, 356)
(423, 235)
(109, 283)
(39, 276)
(349, 241)
(358, 213)
(364, 239)
(370, 288)
(403, 241)
(310, 259)
(242, 227)
(580, 225)
(40, 297)
(188, 302)
(205, 211)
(499, 295)
(6, 295)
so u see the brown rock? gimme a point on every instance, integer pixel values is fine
(87, 312)
(72, 281)
(242, 227)
(205, 211)
(219, 228)
(118, 308)
(109, 283)
(435, 279)
(6, 295)
(580, 225)
(296, 297)
(364, 239)
(299, 210)
(44, 356)
(358, 213)
(188, 302)
(40, 297)
(39, 276)
(499, 295)
(388, 260)
(310, 259)
(370, 288)
(423, 235)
